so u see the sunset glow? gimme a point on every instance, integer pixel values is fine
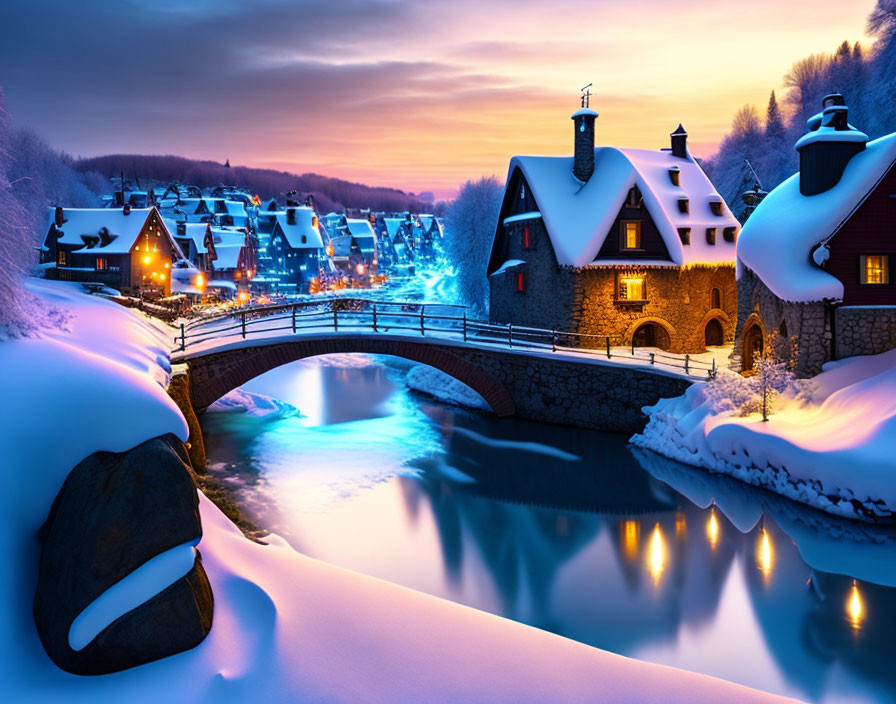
(418, 96)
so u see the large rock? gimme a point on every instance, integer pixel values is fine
(115, 512)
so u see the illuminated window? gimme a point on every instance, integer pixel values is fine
(520, 282)
(101, 264)
(631, 235)
(60, 258)
(874, 269)
(526, 241)
(631, 288)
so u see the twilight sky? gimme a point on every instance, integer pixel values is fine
(417, 94)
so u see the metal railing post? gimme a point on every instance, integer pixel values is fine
(553, 340)
(293, 320)
(374, 318)
(633, 345)
(652, 356)
(335, 319)
(687, 362)
(465, 326)
(243, 323)
(510, 334)
(422, 323)
(183, 338)
(608, 346)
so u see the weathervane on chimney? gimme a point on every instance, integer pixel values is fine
(586, 96)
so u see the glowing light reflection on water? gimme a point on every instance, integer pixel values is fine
(566, 530)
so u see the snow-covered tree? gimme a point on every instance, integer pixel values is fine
(469, 231)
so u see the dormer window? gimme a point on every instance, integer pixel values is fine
(630, 235)
(684, 206)
(730, 234)
(710, 235)
(684, 234)
(716, 207)
(675, 176)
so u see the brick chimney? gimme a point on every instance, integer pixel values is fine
(679, 143)
(827, 147)
(583, 159)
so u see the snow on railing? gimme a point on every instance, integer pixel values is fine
(434, 319)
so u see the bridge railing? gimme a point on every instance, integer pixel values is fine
(423, 319)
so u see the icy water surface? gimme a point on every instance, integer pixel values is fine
(566, 530)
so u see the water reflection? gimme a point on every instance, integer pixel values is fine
(572, 532)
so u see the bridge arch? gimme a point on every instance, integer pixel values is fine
(215, 373)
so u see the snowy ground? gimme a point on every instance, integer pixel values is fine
(286, 628)
(835, 452)
(446, 388)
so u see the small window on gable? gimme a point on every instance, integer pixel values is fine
(730, 234)
(675, 176)
(520, 282)
(101, 264)
(710, 235)
(304, 239)
(61, 257)
(716, 207)
(684, 205)
(631, 235)
(874, 269)
(684, 234)
(526, 238)
(715, 298)
(634, 197)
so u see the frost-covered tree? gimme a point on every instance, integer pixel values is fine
(469, 231)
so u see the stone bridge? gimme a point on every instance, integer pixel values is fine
(538, 386)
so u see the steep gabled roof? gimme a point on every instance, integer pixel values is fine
(393, 225)
(228, 256)
(360, 228)
(192, 230)
(106, 230)
(578, 216)
(304, 225)
(779, 239)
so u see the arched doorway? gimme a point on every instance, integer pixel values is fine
(754, 346)
(714, 334)
(651, 335)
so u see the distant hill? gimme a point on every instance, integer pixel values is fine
(329, 193)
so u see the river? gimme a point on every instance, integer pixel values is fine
(567, 530)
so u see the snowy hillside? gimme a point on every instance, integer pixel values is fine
(834, 453)
(286, 627)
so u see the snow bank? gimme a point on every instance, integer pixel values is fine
(835, 453)
(286, 627)
(252, 404)
(446, 388)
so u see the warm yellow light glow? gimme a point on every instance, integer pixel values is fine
(681, 526)
(167, 265)
(162, 277)
(631, 531)
(200, 280)
(243, 296)
(712, 529)
(855, 609)
(656, 555)
(147, 259)
(765, 558)
(360, 269)
(331, 250)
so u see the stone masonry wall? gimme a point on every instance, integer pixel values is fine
(860, 331)
(807, 341)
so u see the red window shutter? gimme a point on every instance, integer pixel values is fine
(520, 282)
(526, 237)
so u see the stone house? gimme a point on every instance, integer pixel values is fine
(632, 245)
(816, 259)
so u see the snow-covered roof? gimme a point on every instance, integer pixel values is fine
(778, 240)
(228, 256)
(227, 236)
(393, 225)
(578, 217)
(304, 225)
(194, 230)
(119, 231)
(360, 228)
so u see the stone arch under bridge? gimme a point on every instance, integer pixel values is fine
(215, 373)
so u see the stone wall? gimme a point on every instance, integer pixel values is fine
(679, 300)
(803, 330)
(861, 330)
(583, 300)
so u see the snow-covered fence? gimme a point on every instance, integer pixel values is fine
(437, 320)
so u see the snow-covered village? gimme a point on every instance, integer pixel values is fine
(384, 351)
